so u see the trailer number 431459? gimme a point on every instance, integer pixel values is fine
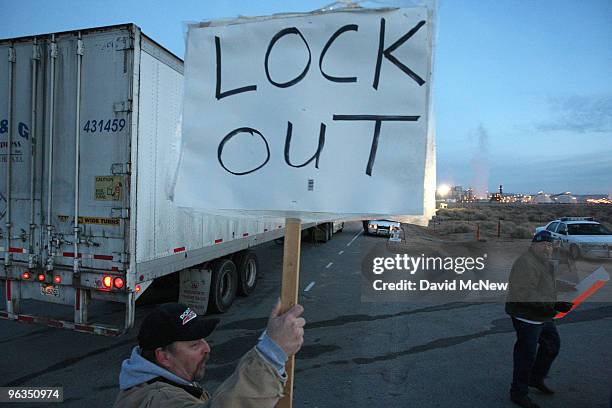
(108, 125)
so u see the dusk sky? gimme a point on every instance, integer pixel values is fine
(522, 88)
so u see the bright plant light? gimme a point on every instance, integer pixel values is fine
(443, 189)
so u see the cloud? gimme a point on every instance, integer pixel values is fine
(580, 114)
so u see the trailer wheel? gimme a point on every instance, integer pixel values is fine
(223, 285)
(248, 268)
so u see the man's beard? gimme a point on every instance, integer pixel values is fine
(199, 374)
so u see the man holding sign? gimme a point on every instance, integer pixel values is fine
(164, 370)
(532, 305)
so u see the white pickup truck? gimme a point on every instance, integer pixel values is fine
(581, 236)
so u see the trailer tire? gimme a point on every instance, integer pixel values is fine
(224, 282)
(248, 272)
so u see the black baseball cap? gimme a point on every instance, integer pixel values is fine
(172, 322)
(543, 236)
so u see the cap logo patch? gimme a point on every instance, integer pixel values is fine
(188, 315)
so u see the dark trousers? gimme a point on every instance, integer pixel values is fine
(535, 349)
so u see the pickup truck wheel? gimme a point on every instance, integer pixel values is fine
(223, 285)
(574, 251)
(248, 268)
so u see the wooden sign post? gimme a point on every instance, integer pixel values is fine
(289, 291)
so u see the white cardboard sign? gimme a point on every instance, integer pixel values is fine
(308, 113)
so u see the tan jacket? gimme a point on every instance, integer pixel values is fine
(254, 383)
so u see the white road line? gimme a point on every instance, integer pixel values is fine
(354, 238)
(340, 253)
(310, 285)
(328, 265)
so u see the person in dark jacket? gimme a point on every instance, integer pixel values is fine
(532, 305)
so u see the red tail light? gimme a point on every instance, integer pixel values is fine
(137, 288)
(41, 277)
(57, 279)
(107, 282)
(118, 282)
(25, 275)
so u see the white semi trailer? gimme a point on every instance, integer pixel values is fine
(87, 119)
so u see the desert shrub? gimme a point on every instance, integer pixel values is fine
(488, 226)
(442, 212)
(462, 228)
(481, 216)
(520, 232)
(462, 217)
(446, 214)
(518, 218)
(453, 227)
(534, 217)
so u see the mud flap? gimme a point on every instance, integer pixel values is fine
(195, 288)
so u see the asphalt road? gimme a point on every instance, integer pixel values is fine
(357, 354)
